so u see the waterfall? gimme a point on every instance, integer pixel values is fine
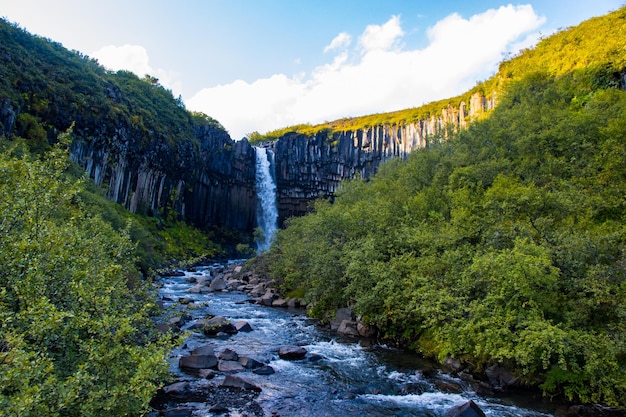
(267, 212)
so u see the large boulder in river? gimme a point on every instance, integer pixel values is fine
(230, 367)
(469, 409)
(228, 355)
(218, 324)
(249, 363)
(291, 353)
(203, 350)
(218, 283)
(197, 362)
(243, 326)
(264, 370)
(234, 381)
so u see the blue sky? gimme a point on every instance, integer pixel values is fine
(258, 65)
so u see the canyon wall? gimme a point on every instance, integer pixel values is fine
(308, 167)
(210, 182)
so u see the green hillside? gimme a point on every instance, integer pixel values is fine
(77, 335)
(505, 243)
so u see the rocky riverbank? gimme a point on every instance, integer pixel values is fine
(215, 379)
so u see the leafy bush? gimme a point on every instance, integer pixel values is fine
(503, 244)
(76, 338)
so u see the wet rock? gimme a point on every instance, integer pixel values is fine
(218, 283)
(230, 367)
(185, 300)
(228, 355)
(198, 325)
(448, 387)
(203, 350)
(268, 298)
(258, 291)
(264, 370)
(469, 409)
(199, 289)
(348, 328)
(217, 325)
(197, 362)
(234, 381)
(219, 409)
(279, 302)
(243, 326)
(293, 303)
(291, 353)
(341, 315)
(179, 321)
(207, 373)
(249, 363)
(177, 388)
(364, 330)
(500, 378)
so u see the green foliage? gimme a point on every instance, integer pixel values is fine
(76, 338)
(503, 244)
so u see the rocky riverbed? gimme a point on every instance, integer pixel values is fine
(248, 351)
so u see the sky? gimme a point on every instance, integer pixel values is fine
(260, 65)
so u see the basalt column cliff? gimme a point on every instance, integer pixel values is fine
(308, 167)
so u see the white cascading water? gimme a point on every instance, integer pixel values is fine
(267, 212)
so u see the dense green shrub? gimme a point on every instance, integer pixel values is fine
(76, 338)
(504, 244)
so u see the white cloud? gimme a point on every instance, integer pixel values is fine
(378, 75)
(135, 58)
(340, 41)
(381, 36)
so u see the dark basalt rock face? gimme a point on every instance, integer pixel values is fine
(211, 182)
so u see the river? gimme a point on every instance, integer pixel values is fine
(338, 377)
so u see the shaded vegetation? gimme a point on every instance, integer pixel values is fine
(76, 337)
(504, 244)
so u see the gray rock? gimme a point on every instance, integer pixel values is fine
(500, 378)
(469, 409)
(230, 367)
(279, 302)
(234, 381)
(198, 325)
(249, 363)
(177, 388)
(243, 326)
(217, 325)
(197, 361)
(348, 328)
(218, 283)
(364, 330)
(207, 373)
(228, 355)
(291, 353)
(203, 350)
(264, 370)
